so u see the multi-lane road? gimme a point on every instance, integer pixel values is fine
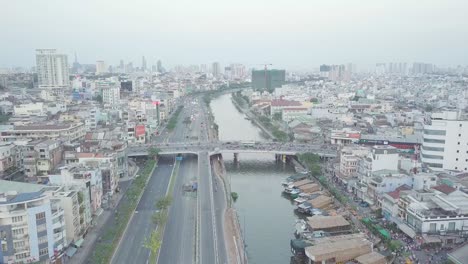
(194, 230)
(179, 236)
(130, 249)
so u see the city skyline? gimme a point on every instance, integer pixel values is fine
(307, 33)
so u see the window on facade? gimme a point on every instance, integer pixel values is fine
(458, 151)
(451, 226)
(40, 216)
(16, 219)
(458, 143)
(4, 247)
(434, 132)
(459, 135)
(18, 231)
(432, 157)
(41, 228)
(18, 244)
(428, 140)
(22, 255)
(43, 251)
(42, 239)
(432, 227)
(456, 159)
(432, 148)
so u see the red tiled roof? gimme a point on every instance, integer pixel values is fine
(396, 193)
(444, 188)
(281, 102)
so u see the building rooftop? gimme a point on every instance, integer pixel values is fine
(371, 258)
(318, 222)
(280, 103)
(444, 188)
(19, 187)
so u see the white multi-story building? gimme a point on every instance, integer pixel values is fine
(100, 67)
(7, 156)
(69, 131)
(349, 160)
(445, 142)
(29, 109)
(32, 226)
(111, 95)
(52, 68)
(381, 157)
(442, 211)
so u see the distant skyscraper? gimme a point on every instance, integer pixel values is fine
(122, 66)
(143, 64)
(129, 68)
(160, 67)
(216, 69)
(76, 67)
(100, 67)
(52, 68)
(420, 68)
(268, 80)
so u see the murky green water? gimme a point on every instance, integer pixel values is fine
(267, 219)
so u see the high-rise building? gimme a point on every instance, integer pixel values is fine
(445, 142)
(52, 68)
(100, 67)
(121, 66)
(216, 69)
(421, 68)
(143, 64)
(269, 79)
(160, 67)
(129, 68)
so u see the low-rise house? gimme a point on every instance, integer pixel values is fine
(383, 181)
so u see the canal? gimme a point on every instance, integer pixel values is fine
(267, 219)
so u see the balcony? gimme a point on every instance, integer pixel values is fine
(20, 236)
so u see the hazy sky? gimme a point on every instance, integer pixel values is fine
(292, 33)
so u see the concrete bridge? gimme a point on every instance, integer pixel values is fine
(236, 147)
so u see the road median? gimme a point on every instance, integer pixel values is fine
(105, 248)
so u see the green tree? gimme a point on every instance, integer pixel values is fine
(153, 242)
(159, 218)
(395, 245)
(314, 100)
(153, 152)
(164, 203)
(234, 196)
(277, 116)
(98, 98)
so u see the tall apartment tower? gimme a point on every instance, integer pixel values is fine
(216, 68)
(445, 142)
(143, 64)
(100, 67)
(52, 68)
